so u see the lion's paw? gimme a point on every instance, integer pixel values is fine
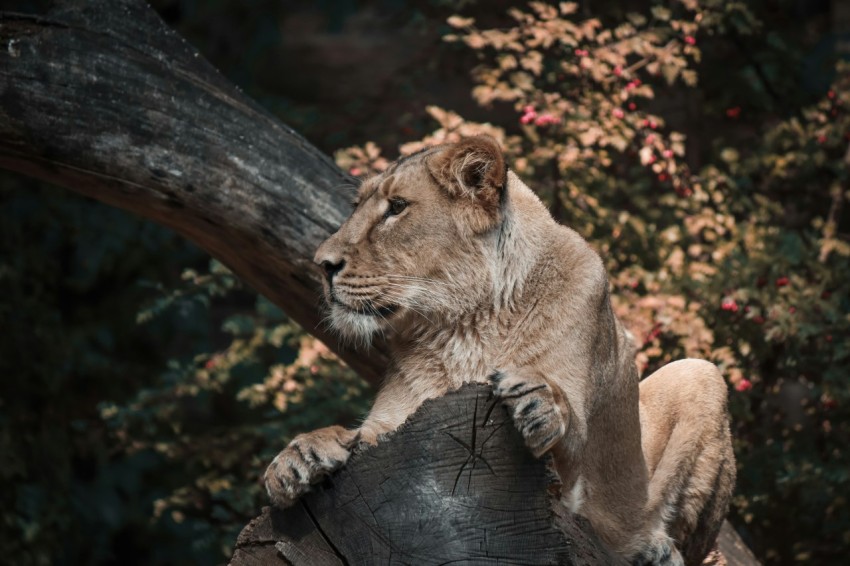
(308, 458)
(533, 408)
(660, 551)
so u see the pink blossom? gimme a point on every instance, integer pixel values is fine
(529, 114)
(690, 40)
(667, 153)
(618, 70)
(743, 385)
(355, 171)
(546, 119)
(618, 113)
(582, 52)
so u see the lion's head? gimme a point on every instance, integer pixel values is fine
(413, 247)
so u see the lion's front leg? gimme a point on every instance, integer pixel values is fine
(534, 408)
(308, 458)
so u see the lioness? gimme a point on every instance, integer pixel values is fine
(462, 262)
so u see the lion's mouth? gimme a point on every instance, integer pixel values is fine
(368, 309)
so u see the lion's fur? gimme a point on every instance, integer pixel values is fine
(479, 278)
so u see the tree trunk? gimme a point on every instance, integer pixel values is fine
(101, 97)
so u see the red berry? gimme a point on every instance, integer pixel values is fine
(831, 94)
(546, 119)
(690, 40)
(782, 282)
(792, 310)
(632, 106)
(618, 70)
(733, 112)
(528, 117)
(758, 319)
(743, 385)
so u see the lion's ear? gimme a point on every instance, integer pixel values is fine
(473, 171)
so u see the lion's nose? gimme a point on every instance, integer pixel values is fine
(332, 268)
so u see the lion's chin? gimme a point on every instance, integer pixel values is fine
(355, 326)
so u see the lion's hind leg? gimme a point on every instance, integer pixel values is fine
(688, 452)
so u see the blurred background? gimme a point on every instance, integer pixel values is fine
(701, 146)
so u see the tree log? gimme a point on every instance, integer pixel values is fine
(455, 484)
(101, 97)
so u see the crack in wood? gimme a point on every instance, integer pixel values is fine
(324, 535)
(471, 454)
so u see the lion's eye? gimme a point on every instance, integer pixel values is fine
(397, 206)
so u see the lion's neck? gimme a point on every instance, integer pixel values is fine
(470, 345)
(517, 247)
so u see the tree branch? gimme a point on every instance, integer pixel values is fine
(101, 97)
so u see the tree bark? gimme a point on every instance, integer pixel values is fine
(101, 97)
(455, 484)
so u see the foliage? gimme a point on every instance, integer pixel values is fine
(222, 416)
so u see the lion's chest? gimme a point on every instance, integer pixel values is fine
(460, 354)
